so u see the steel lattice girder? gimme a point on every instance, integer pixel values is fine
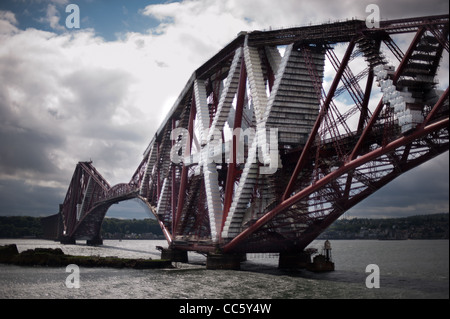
(249, 199)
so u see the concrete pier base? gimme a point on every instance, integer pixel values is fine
(179, 256)
(293, 260)
(224, 261)
(94, 242)
(67, 241)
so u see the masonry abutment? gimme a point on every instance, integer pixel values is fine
(174, 255)
(288, 260)
(221, 261)
(95, 241)
(67, 240)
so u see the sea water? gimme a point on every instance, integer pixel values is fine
(407, 269)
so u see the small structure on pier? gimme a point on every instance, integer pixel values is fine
(322, 262)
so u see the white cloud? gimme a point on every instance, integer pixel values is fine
(52, 18)
(8, 22)
(8, 17)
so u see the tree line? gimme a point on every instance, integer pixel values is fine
(26, 226)
(419, 227)
(20, 226)
(117, 226)
(433, 226)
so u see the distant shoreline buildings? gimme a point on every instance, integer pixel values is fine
(435, 226)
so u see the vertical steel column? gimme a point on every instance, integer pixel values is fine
(184, 171)
(72, 207)
(365, 104)
(158, 178)
(231, 173)
(322, 114)
(173, 202)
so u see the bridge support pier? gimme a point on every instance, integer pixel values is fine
(225, 261)
(290, 260)
(174, 255)
(67, 240)
(97, 241)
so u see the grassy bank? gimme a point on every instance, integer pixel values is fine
(56, 258)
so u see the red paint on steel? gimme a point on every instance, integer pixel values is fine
(335, 174)
(231, 173)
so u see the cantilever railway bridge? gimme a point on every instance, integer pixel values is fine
(298, 159)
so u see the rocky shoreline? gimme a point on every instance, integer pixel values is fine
(9, 254)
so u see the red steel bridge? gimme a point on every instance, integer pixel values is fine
(259, 154)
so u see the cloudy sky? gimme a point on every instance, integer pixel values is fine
(100, 92)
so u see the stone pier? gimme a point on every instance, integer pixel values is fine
(224, 261)
(94, 241)
(175, 255)
(67, 240)
(292, 260)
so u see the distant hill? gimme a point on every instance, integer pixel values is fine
(114, 228)
(25, 226)
(20, 226)
(435, 226)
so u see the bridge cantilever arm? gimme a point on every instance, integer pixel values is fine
(380, 105)
(96, 175)
(332, 176)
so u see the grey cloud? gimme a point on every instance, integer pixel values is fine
(406, 8)
(23, 149)
(161, 64)
(19, 198)
(26, 138)
(423, 190)
(53, 117)
(98, 92)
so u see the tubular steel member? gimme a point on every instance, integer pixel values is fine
(333, 176)
(276, 192)
(231, 172)
(184, 172)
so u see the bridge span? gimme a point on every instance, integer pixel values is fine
(258, 154)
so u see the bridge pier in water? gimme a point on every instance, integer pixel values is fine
(65, 240)
(292, 260)
(224, 261)
(174, 255)
(97, 241)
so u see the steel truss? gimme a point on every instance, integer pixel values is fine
(299, 158)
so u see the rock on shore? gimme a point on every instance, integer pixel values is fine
(9, 254)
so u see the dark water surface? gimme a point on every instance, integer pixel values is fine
(408, 269)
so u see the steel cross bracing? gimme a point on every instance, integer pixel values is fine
(299, 157)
